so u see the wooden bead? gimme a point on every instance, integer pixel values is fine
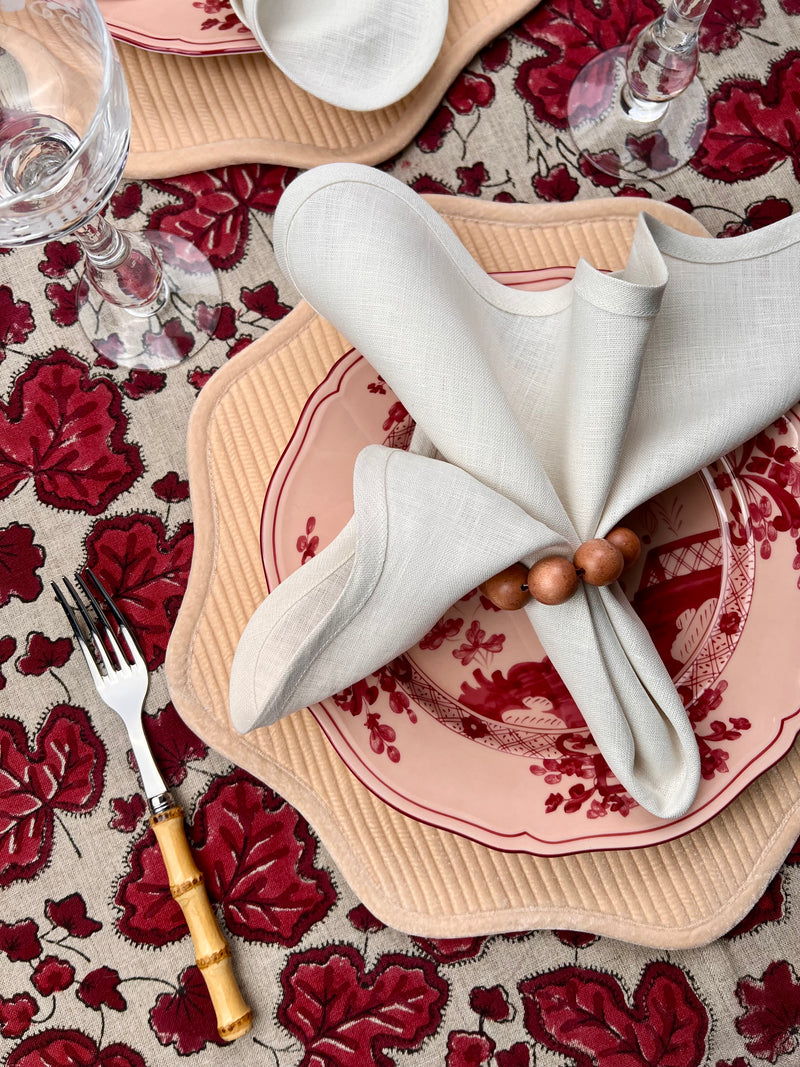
(552, 580)
(599, 562)
(627, 542)
(508, 589)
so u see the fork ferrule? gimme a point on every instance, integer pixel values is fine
(160, 802)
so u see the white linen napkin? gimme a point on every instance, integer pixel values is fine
(542, 419)
(356, 54)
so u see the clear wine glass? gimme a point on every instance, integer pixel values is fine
(65, 126)
(639, 111)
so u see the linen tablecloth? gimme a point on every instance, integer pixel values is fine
(95, 966)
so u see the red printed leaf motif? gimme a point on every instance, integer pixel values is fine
(20, 940)
(345, 1016)
(258, 864)
(60, 257)
(16, 320)
(70, 914)
(451, 949)
(213, 212)
(567, 34)
(145, 572)
(42, 654)
(66, 432)
(751, 128)
(99, 988)
(172, 742)
(20, 558)
(770, 1023)
(149, 914)
(70, 1048)
(126, 812)
(583, 1014)
(8, 646)
(63, 771)
(467, 1048)
(186, 1018)
(768, 908)
(16, 1013)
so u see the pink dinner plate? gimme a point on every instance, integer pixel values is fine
(183, 27)
(472, 730)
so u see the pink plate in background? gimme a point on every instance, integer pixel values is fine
(472, 730)
(182, 27)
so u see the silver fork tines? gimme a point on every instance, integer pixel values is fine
(117, 667)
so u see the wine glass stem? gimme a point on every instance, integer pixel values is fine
(123, 267)
(662, 60)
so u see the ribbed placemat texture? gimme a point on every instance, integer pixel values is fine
(415, 877)
(195, 113)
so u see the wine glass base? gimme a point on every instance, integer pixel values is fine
(180, 327)
(618, 143)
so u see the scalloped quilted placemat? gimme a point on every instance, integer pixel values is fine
(194, 113)
(412, 876)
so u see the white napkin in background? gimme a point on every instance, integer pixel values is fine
(356, 54)
(542, 418)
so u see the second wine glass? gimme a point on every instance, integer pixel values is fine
(639, 111)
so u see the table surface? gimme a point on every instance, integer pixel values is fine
(95, 966)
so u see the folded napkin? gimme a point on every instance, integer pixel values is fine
(356, 54)
(542, 419)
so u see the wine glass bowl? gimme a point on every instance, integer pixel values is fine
(64, 121)
(64, 136)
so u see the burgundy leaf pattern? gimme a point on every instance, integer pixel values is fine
(145, 571)
(258, 865)
(99, 988)
(172, 743)
(585, 1014)
(20, 559)
(346, 1016)
(63, 772)
(16, 1013)
(52, 975)
(748, 131)
(71, 1048)
(213, 209)
(16, 320)
(20, 940)
(71, 915)
(42, 654)
(8, 646)
(126, 812)
(66, 432)
(770, 1023)
(186, 1018)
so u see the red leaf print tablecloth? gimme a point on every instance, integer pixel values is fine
(95, 967)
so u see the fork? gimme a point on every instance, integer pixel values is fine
(120, 676)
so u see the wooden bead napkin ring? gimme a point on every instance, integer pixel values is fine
(554, 579)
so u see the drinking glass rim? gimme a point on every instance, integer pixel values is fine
(110, 63)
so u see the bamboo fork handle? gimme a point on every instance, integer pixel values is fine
(213, 955)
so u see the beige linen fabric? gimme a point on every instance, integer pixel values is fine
(543, 418)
